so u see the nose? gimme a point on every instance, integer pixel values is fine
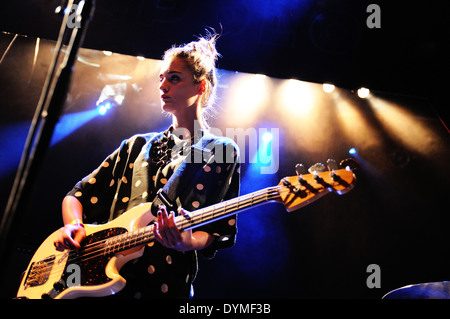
(163, 86)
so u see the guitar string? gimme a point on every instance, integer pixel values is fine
(271, 193)
(98, 248)
(194, 219)
(147, 235)
(193, 215)
(258, 198)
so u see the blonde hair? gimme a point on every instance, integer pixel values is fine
(201, 57)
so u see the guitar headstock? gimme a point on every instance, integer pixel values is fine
(301, 190)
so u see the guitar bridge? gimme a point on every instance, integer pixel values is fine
(39, 272)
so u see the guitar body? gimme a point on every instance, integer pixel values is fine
(51, 273)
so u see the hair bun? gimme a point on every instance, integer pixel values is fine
(207, 46)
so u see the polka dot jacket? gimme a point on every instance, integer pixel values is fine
(129, 177)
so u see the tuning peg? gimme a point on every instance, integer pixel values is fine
(318, 167)
(351, 163)
(332, 165)
(300, 169)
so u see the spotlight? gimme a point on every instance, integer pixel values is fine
(328, 88)
(104, 106)
(352, 151)
(363, 92)
(112, 95)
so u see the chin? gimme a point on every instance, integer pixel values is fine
(166, 107)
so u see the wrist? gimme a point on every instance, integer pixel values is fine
(76, 222)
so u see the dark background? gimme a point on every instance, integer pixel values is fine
(396, 216)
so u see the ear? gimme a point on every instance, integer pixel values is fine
(202, 87)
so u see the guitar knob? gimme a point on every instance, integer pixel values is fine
(350, 163)
(59, 285)
(300, 169)
(318, 167)
(332, 165)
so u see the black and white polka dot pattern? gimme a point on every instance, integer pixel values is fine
(128, 178)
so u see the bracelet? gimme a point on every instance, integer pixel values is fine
(77, 222)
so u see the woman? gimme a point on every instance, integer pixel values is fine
(144, 164)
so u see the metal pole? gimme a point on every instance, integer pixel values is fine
(47, 113)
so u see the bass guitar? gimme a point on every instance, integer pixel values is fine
(93, 269)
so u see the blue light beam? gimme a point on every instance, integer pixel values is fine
(69, 123)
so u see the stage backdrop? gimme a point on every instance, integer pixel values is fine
(396, 217)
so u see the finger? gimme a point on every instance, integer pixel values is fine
(169, 220)
(60, 242)
(172, 232)
(161, 235)
(184, 213)
(164, 230)
(78, 236)
(159, 216)
(167, 229)
(70, 243)
(156, 233)
(58, 246)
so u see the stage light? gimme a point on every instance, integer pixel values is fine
(296, 98)
(107, 53)
(363, 92)
(328, 88)
(352, 151)
(103, 107)
(247, 97)
(112, 95)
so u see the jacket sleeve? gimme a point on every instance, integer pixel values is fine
(96, 191)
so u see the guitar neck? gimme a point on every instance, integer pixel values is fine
(224, 209)
(193, 219)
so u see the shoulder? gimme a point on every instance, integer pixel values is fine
(139, 140)
(215, 140)
(224, 145)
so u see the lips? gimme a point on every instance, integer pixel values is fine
(165, 98)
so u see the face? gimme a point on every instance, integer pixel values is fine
(179, 94)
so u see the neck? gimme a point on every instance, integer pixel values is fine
(190, 121)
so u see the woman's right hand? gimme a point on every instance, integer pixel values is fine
(70, 237)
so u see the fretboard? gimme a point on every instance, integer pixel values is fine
(193, 219)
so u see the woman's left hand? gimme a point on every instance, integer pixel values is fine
(168, 234)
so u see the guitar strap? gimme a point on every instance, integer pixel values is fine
(198, 155)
